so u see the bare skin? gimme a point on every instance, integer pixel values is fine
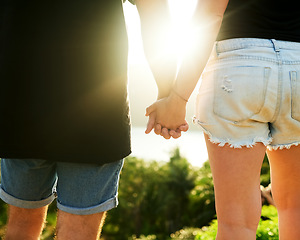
(285, 168)
(27, 224)
(78, 227)
(236, 174)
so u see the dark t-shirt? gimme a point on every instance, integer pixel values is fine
(269, 19)
(63, 80)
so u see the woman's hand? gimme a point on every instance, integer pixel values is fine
(167, 116)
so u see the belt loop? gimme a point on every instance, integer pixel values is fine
(275, 46)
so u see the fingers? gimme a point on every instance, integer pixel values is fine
(165, 133)
(157, 129)
(150, 109)
(175, 134)
(151, 123)
(184, 127)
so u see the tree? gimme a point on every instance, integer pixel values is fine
(202, 198)
(154, 198)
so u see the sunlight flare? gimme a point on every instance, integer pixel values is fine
(183, 31)
(181, 35)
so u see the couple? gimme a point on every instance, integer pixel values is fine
(65, 125)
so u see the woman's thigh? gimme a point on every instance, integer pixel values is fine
(236, 173)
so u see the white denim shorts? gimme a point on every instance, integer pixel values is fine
(250, 92)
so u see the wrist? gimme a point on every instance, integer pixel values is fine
(180, 97)
(175, 97)
(163, 94)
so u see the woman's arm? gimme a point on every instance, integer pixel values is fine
(206, 23)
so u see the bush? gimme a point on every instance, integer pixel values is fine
(186, 234)
(268, 229)
(202, 199)
(208, 233)
(142, 237)
(154, 197)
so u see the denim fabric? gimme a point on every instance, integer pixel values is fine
(81, 189)
(250, 92)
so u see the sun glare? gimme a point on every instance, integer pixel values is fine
(181, 12)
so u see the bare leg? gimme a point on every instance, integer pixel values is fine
(78, 227)
(236, 174)
(25, 224)
(285, 169)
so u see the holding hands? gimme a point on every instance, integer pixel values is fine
(167, 116)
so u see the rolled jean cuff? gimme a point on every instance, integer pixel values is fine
(103, 207)
(9, 199)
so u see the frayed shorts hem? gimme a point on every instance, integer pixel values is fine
(103, 207)
(221, 142)
(11, 200)
(282, 146)
(245, 143)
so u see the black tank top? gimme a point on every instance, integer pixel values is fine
(269, 19)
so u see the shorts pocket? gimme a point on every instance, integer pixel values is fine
(239, 92)
(295, 98)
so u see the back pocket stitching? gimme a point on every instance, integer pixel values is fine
(294, 90)
(228, 87)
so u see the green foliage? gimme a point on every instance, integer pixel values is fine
(153, 196)
(186, 233)
(208, 233)
(202, 198)
(50, 228)
(3, 217)
(268, 229)
(142, 237)
(265, 172)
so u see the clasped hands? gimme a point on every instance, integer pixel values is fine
(167, 117)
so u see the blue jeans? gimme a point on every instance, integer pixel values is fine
(80, 189)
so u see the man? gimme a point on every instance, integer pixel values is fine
(64, 120)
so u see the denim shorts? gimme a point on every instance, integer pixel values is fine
(250, 92)
(80, 189)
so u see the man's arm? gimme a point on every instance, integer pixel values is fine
(156, 33)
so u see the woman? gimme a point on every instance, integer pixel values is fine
(248, 104)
